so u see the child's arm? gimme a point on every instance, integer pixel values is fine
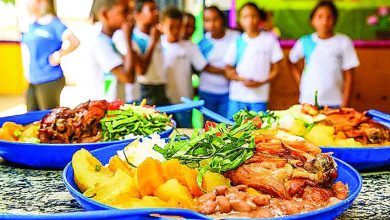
(348, 76)
(231, 73)
(126, 73)
(230, 60)
(144, 60)
(349, 62)
(214, 70)
(296, 54)
(272, 75)
(296, 72)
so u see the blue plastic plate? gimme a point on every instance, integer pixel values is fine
(362, 158)
(128, 214)
(47, 156)
(365, 158)
(346, 174)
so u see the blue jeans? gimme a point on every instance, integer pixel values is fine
(215, 102)
(183, 119)
(235, 106)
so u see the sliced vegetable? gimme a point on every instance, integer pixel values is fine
(133, 120)
(149, 175)
(209, 152)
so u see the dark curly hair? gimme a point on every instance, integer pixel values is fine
(262, 14)
(328, 4)
(219, 12)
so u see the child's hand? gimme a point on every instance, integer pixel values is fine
(55, 59)
(127, 29)
(155, 33)
(231, 74)
(253, 83)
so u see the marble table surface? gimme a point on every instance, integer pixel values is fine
(42, 191)
(27, 191)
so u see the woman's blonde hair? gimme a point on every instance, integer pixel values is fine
(51, 8)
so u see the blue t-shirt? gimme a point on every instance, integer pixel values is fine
(43, 40)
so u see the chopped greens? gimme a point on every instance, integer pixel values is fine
(98, 168)
(309, 126)
(18, 133)
(132, 120)
(220, 149)
(316, 100)
(267, 118)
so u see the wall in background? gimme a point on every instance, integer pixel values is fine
(12, 80)
(292, 16)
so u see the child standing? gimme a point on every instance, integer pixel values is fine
(103, 59)
(214, 86)
(47, 40)
(178, 58)
(329, 60)
(188, 26)
(131, 90)
(150, 72)
(252, 63)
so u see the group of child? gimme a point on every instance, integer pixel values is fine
(136, 55)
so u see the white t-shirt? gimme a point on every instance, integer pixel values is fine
(100, 57)
(155, 75)
(253, 58)
(178, 58)
(132, 90)
(324, 62)
(214, 50)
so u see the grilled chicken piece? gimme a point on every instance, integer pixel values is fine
(283, 169)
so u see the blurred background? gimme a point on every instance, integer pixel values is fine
(367, 22)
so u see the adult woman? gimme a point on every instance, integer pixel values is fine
(47, 40)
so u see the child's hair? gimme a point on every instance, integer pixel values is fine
(219, 12)
(98, 5)
(189, 15)
(251, 5)
(139, 4)
(330, 5)
(172, 12)
(263, 14)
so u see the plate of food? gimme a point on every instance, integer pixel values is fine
(48, 139)
(223, 172)
(358, 138)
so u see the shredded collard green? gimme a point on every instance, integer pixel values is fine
(220, 149)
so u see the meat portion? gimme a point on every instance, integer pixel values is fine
(79, 125)
(283, 169)
(350, 123)
(344, 118)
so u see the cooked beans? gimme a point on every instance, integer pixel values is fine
(223, 204)
(224, 200)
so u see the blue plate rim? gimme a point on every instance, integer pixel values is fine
(357, 148)
(349, 199)
(171, 129)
